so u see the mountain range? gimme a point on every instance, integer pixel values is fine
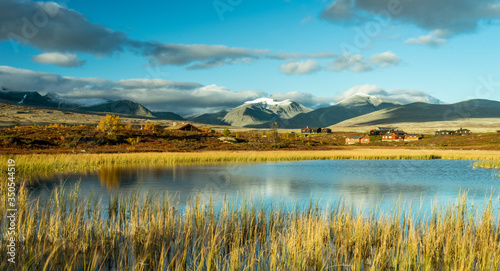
(356, 110)
(53, 100)
(420, 112)
(264, 112)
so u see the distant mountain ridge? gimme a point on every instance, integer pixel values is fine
(423, 112)
(356, 110)
(211, 118)
(353, 106)
(85, 104)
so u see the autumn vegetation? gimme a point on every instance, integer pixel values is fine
(68, 231)
(72, 232)
(113, 136)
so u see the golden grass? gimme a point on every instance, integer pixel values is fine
(487, 164)
(46, 164)
(67, 232)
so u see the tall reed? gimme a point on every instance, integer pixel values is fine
(71, 232)
(38, 164)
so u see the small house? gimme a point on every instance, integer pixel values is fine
(355, 139)
(365, 139)
(306, 130)
(443, 132)
(412, 137)
(382, 130)
(462, 132)
(315, 130)
(184, 127)
(393, 137)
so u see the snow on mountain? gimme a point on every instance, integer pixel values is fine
(77, 102)
(362, 98)
(262, 112)
(24, 98)
(268, 102)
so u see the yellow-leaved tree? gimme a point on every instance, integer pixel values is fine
(110, 124)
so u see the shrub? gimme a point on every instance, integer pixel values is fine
(133, 141)
(110, 124)
(226, 132)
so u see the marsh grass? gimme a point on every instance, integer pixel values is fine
(39, 164)
(68, 232)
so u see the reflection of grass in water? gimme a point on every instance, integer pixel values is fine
(68, 232)
(29, 165)
(110, 176)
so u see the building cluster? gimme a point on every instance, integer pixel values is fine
(400, 136)
(387, 133)
(357, 139)
(316, 130)
(461, 132)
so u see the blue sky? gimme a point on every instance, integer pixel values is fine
(229, 51)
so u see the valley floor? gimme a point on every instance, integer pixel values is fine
(56, 139)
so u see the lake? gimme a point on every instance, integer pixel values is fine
(361, 182)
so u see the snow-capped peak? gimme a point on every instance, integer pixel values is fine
(361, 97)
(270, 102)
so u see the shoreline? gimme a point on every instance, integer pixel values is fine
(44, 164)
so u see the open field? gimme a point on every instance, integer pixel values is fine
(67, 232)
(20, 115)
(484, 125)
(58, 139)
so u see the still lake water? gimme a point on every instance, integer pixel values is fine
(364, 183)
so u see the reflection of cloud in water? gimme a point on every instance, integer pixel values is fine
(352, 181)
(375, 192)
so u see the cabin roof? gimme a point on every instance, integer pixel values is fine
(182, 126)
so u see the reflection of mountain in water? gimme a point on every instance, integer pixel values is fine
(352, 181)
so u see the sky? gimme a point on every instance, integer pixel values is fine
(192, 57)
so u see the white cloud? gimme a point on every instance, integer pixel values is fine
(430, 40)
(156, 94)
(354, 63)
(67, 30)
(358, 63)
(398, 95)
(385, 59)
(302, 67)
(155, 83)
(306, 99)
(344, 62)
(307, 19)
(200, 54)
(59, 59)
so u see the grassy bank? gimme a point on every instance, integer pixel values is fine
(41, 164)
(71, 233)
(487, 164)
